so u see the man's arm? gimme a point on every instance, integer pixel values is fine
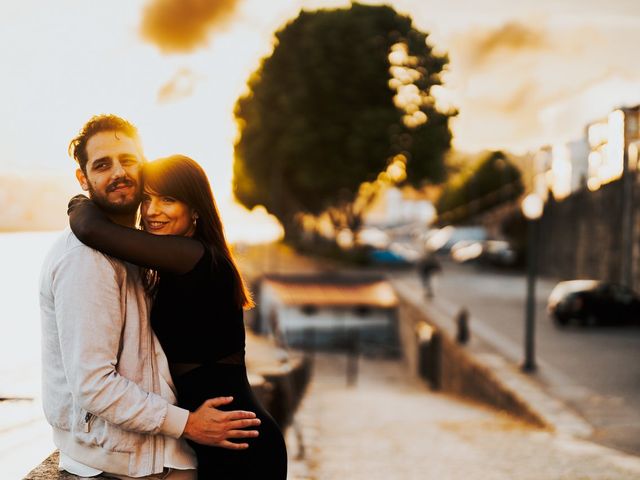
(90, 322)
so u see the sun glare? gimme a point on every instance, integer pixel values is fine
(180, 103)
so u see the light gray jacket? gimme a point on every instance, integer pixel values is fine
(102, 365)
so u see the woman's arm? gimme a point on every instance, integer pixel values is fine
(174, 253)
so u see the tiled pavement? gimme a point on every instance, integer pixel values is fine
(390, 426)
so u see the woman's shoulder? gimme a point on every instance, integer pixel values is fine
(212, 262)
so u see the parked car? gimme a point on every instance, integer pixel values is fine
(443, 239)
(375, 237)
(499, 253)
(388, 257)
(466, 250)
(593, 302)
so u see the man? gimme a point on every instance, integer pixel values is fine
(107, 390)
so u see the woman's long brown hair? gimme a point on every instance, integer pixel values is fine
(181, 177)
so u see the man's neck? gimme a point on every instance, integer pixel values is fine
(124, 219)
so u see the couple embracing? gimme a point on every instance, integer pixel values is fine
(142, 326)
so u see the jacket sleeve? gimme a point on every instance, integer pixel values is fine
(173, 253)
(90, 320)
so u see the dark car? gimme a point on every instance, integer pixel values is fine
(593, 302)
(499, 253)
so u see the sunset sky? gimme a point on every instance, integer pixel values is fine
(522, 73)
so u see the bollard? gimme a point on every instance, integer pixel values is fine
(462, 323)
(429, 352)
(352, 358)
(309, 340)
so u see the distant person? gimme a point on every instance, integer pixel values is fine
(428, 265)
(198, 300)
(107, 390)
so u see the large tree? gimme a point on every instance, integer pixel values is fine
(490, 180)
(345, 93)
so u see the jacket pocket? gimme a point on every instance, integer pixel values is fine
(95, 431)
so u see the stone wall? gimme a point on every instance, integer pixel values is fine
(581, 236)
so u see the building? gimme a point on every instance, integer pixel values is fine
(594, 160)
(395, 206)
(612, 140)
(561, 169)
(329, 311)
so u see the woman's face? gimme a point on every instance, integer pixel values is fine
(164, 215)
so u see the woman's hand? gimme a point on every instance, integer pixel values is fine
(85, 219)
(77, 201)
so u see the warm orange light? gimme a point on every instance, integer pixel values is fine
(532, 206)
(560, 171)
(606, 140)
(615, 144)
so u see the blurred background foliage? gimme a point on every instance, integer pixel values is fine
(484, 182)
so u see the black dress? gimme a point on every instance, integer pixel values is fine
(197, 321)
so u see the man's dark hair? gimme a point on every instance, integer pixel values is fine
(97, 124)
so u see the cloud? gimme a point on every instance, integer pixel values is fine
(508, 39)
(181, 85)
(35, 201)
(521, 86)
(180, 26)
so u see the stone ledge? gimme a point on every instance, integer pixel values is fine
(48, 470)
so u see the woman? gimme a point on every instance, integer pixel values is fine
(198, 299)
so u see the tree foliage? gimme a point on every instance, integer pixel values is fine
(324, 113)
(490, 181)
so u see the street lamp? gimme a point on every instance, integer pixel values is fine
(532, 207)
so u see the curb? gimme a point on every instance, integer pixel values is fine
(478, 371)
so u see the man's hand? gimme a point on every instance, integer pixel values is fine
(213, 427)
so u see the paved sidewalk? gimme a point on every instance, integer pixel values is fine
(390, 426)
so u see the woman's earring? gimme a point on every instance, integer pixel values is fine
(195, 220)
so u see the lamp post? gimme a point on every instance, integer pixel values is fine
(532, 207)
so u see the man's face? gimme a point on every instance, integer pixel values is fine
(112, 173)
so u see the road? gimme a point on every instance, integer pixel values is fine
(595, 370)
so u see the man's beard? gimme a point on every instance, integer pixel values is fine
(119, 208)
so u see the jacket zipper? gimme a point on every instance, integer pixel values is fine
(151, 359)
(88, 420)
